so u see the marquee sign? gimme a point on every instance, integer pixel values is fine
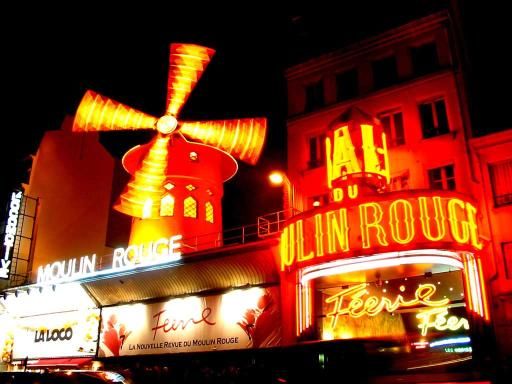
(392, 222)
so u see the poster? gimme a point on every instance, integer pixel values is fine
(235, 320)
(66, 334)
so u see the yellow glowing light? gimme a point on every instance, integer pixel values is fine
(238, 303)
(99, 113)
(276, 178)
(437, 318)
(241, 138)
(373, 305)
(147, 183)
(316, 203)
(166, 124)
(187, 63)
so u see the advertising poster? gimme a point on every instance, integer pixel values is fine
(67, 334)
(235, 320)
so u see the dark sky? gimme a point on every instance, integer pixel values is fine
(52, 59)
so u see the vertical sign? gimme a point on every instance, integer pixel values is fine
(11, 226)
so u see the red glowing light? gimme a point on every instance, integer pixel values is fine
(393, 222)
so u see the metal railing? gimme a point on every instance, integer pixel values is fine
(267, 226)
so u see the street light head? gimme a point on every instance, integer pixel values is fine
(276, 178)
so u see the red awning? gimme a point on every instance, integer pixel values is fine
(65, 362)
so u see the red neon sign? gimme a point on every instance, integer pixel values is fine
(391, 222)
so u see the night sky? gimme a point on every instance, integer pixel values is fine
(51, 61)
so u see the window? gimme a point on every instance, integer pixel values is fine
(167, 205)
(425, 59)
(507, 258)
(434, 121)
(347, 85)
(501, 180)
(393, 125)
(316, 151)
(442, 178)
(384, 72)
(318, 201)
(314, 96)
(190, 207)
(209, 211)
(399, 182)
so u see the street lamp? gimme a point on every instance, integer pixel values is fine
(279, 178)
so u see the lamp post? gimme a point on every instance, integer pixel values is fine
(279, 178)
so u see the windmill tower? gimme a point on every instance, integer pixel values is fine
(176, 185)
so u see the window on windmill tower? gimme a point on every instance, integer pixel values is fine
(190, 207)
(208, 211)
(167, 205)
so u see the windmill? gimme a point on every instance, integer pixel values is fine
(176, 183)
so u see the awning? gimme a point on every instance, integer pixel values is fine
(215, 269)
(61, 363)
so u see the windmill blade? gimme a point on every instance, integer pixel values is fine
(142, 195)
(99, 113)
(187, 63)
(242, 138)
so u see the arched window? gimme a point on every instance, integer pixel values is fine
(167, 205)
(146, 210)
(209, 211)
(190, 207)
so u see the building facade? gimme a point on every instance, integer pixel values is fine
(396, 253)
(410, 79)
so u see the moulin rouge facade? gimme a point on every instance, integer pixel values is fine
(392, 238)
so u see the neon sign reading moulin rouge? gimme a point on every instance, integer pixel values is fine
(134, 256)
(358, 305)
(386, 224)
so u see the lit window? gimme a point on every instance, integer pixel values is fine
(442, 178)
(399, 182)
(316, 151)
(314, 96)
(501, 180)
(393, 125)
(193, 156)
(167, 206)
(190, 207)
(209, 212)
(169, 186)
(434, 121)
(190, 187)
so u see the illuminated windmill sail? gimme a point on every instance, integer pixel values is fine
(241, 138)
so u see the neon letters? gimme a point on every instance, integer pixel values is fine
(384, 225)
(358, 305)
(436, 318)
(154, 251)
(134, 256)
(10, 232)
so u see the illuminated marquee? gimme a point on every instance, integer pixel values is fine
(134, 256)
(395, 222)
(10, 232)
(356, 154)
